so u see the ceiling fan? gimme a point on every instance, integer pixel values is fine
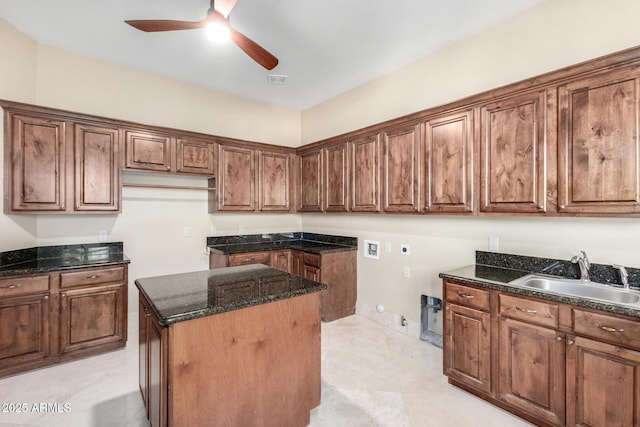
(217, 19)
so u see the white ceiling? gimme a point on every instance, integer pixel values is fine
(325, 47)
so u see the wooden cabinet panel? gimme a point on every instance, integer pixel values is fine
(97, 168)
(467, 296)
(144, 311)
(531, 366)
(336, 178)
(599, 145)
(310, 181)
(281, 260)
(148, 151)
(25, 326)
(91, 317)
(92, 276)
(448, 152)
(297, 265)
(530, 311)
(236, 179)
(274, 182)
(157, 372)
(36, 163)
(23, 285)
(195, 157)
(513, 154)
(602, 384)
(401, 156)
(365, 174)
(467, 346)
(247, 258)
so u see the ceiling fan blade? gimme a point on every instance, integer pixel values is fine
(254, 50)
(154, 25)
(224, 6)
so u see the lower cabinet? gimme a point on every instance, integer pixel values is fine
(48, 318)
(337, 270)
(552, 364)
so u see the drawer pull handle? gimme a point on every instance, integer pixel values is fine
(526, 310)
(467, 296)
(607, 328)
(93, 277)
(570, 342)
(147, 315)
(15, 286)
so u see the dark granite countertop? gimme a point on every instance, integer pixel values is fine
(512, 267)
(179, 297)
(43, 259)
(308, 242)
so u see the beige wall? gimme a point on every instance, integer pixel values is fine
(555, 34)
(152, 221)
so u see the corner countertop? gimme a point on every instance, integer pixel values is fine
(498, 278)
(308, 242)
(44, 259)
(179, 297)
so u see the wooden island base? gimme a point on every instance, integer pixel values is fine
(256, 366)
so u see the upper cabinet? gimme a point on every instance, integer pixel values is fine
(252, 180)
(598, 145)
(53, 165)
(310, 181)
(35, 163)
(364, 173)
(236, 179)
(401, 169)
(274, 181)
(336, 177)
(157, 152)
(513, 154)
(97, 168)
(448, 159)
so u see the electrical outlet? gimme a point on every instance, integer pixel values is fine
(241, 229)
(213, 230)
(406, 272)
(102, 236)
(494, 243)
(186, 231)
(387, 247)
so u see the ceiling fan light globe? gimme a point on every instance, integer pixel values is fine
(218, 31)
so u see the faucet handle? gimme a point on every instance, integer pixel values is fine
(585, 258)
(624, 276)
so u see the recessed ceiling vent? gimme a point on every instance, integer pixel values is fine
(277, 79)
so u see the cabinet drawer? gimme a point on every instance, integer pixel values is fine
(92, 277)
(250, 258)
(529, 311)
(465, 295)
(311, 259)
(23, 285)
(607, 328)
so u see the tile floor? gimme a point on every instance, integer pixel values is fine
(371, 376)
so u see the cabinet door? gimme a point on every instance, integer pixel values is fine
(598, 144)
(97, 168)
(25, 340)
(310, 170)
(195, 157)
(531, 366)
(236, 179)
(36, 164)
(311, 272)
(281, 260)
(513, 154)
(467, 346)
(365, 174)
(297, 266)
(92, 317)
(143, 350)
(274, 182)
(448, 153)
(336, 178)
(401, 148)
(148, 151)
(602, 384)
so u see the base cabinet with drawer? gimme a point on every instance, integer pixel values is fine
(58, 316)
(337, 270)
(551, 363)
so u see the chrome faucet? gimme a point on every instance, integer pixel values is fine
(624, 276)
(583, 263)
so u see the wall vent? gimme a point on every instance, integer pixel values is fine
(277, 79)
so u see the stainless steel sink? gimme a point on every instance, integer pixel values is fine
(578, 288)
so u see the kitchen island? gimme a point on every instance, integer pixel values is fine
(234, 346)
